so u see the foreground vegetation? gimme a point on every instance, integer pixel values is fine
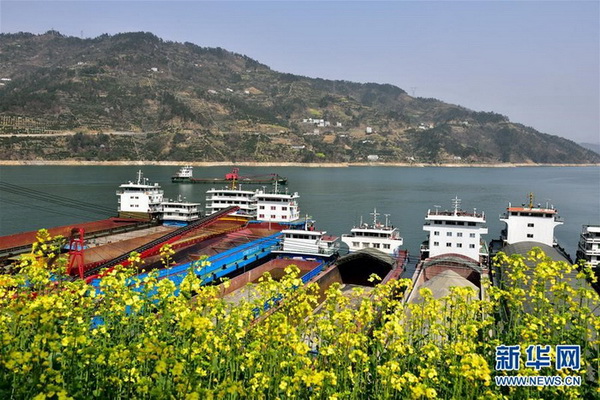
(62, 339)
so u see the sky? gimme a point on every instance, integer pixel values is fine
(537, 62)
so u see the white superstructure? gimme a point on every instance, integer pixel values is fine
(589, 245)
(378, 236)
(456, 232)
(185, 172)
(139, 198)
(530, 223)
(309, 242)
(277, 207)
(219, 199)
(180, 210)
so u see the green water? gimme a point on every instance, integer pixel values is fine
(335, 197)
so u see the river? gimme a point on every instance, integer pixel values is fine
(335, 197)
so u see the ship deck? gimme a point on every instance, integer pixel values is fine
(108, 225)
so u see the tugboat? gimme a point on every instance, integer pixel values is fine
(384, 237)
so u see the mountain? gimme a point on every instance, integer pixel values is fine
(63, 97)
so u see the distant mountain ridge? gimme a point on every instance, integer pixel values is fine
(183, 102)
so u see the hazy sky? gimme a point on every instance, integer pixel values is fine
(535, 61)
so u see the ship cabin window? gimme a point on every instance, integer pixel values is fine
(436, 243)
(365, 244)
(448, 233)
(273, 208)
(460, 223)
(459, 234)
(436, 233)
(471, 223)
(284, 208)
(438, 222)
(376, 245)
(471, 235)
(450, 222)
(448, 244)
(355, 244)
(386, 245)
(273, 216)
(530, 235)
(471, 246)
(530, 225)
(284, 217)
(261, 215)
(459, 245)
(262, 207)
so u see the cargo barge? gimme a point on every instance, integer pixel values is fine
(185, 175)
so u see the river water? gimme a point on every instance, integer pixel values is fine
(335, 197)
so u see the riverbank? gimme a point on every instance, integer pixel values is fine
(279, 164)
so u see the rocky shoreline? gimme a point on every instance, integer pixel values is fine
(279, 164)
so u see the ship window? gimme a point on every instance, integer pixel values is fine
(471, 246)
(530, 225)
(386, 245)
(448, 244)
(459, 245)
(437, 222)
(376, 245)
(530, 235)
(273, 208)
(471, 235)
(450, 222)
(273, 216)
(471, 223)
(262, 207)
(460, 223)
(284, 217)
(261, 216)
(436, 233)
(284, 208)
(365, 244)
(436, 243)
(459, 234)
(355, 244)
(448, 233)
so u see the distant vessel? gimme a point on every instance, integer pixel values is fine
(384, 237)
(143, 200)
(256, 204)
(220, 199)
(185, 175)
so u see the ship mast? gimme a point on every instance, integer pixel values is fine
(456, 204)
(375, 214)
